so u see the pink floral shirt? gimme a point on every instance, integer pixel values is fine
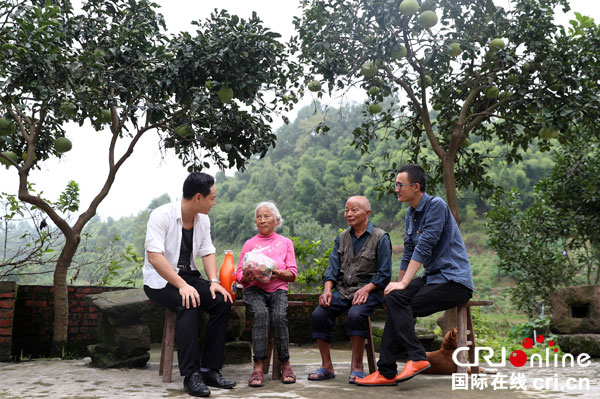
(281, 250)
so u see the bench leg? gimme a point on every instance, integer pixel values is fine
(272, 352)
(471, 341)
(461, 313)
(168, 345)
(370, 348)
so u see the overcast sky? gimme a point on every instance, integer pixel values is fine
(145, 175)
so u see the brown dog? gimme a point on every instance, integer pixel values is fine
(441, 359)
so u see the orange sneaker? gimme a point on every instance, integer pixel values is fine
(411, 369)
(375, 380)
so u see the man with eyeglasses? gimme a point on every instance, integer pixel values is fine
(433, 241)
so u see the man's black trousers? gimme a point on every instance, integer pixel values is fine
(416, 300)
(186, 332)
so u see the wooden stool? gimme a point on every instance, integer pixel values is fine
(168, 344)
(370, 348)
(466, 333)
(272, 349)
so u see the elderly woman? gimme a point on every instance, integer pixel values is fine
(274, 294)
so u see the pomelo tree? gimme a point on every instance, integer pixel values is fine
(113, 65)
(451, 72)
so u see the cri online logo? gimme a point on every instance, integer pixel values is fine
(518, 358)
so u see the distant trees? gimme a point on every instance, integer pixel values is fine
(311, 175)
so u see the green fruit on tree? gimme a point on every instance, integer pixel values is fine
(5, 123)
(314, 85)
(374, 90)
(106, 116)
(492, 92)
(428, 80)
(428, 19)
(466, 142)
(184, 130)
(437, 106)
(24, 156)
(527, 67)
(409, 7)
(225, 94)
(375, 108)
(368, 69)
(497, 44)
(11, 155)
(62, 144)
(455, 49)
(398, 52)
(11, 129)
(68, 108)
(7, 127)
(505, 94)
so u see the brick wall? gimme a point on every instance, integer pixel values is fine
(8, 295)
(34, 315)
(32, 308)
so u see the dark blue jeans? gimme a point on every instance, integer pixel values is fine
(323, 319)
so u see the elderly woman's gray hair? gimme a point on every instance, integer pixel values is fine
(273, 208)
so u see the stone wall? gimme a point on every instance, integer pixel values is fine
(576, 319)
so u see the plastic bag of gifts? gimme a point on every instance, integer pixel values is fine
(261, 265)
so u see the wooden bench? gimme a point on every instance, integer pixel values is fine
(465, 337)
(168, 345)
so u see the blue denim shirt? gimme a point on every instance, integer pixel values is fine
(384, 258)
(433, 239)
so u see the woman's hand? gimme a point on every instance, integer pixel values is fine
(248, 276)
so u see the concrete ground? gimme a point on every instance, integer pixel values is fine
(55, 378)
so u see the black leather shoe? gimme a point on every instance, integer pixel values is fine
(195, 386)
(214, 378)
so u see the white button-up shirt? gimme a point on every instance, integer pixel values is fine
(163, 235)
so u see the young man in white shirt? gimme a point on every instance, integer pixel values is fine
(176, 234)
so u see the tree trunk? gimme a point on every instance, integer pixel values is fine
(450, 187)
(448, 320)
(61, 296)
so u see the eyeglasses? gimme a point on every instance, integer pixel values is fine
(400, 185)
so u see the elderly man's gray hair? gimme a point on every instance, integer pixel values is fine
(273, 208)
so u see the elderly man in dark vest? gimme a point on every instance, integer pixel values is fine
(360, 267)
